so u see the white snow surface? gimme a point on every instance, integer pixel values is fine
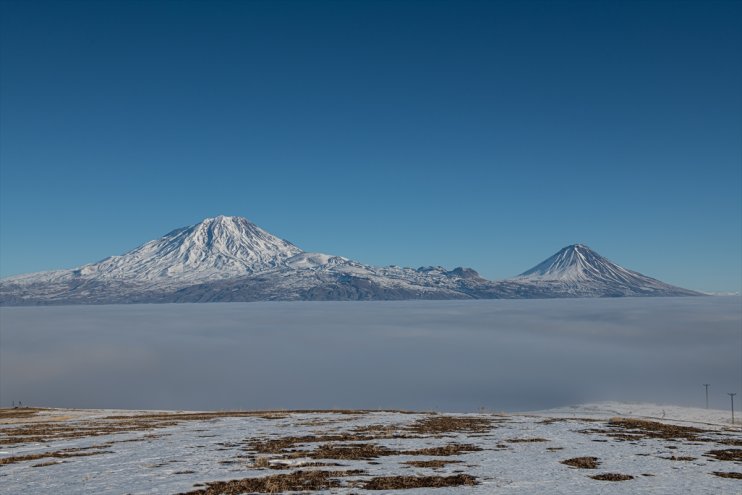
(180, 457)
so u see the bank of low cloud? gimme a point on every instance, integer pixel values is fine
(452, 355)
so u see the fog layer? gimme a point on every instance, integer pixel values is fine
(443, 355)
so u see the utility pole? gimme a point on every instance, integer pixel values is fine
(732, 397)
(707, 394)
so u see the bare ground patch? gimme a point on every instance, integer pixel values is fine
(368, 451)
(526, 440)
(439, 425)
(733, 475)
(736, 442)
(725, 454)
(632, 429)
(46, 432)
(445, 450)
(582, 462)
(299, 481)
(434, 464)
(18, 412)
(612, 477)
(358, 451)
(57, 454)
(284, 445)
(409, 482)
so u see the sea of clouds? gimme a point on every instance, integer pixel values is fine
(503, 355)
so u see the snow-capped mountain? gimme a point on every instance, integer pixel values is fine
(578, 271)
(232, 259)
(217, 248)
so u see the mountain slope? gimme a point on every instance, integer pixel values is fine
(215, 248)
(232, 259)
(578, 271)
(228, 259)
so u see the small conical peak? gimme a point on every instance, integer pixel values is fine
(581, 270)
(577, 247)
(575, 261)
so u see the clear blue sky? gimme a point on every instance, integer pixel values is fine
(484, 134)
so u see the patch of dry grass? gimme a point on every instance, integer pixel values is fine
(49, 431)
(356, 451)
(369, 451)
(279, 466)
(725, 454)
(641, 428)
(285, 444)
(409, 482)
(736, 442)
(733, 475)
(382, 431)
(57, 454)
(439, 425)
(43, 464)
(612, 477)
(434, 464)
(18, 412)
(299, 481)
(582, 462)
(445, 450)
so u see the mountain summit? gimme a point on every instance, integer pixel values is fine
(216, 248)
(578, 270)
(232, 259)
(575, 262)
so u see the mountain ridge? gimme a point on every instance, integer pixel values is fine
(229, 258)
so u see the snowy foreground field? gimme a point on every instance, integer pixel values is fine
(601, 448)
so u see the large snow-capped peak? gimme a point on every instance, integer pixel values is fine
(219, 247)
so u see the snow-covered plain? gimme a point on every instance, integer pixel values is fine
(515, 454)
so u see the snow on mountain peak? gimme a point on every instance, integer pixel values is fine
(215, 248)
(579, 269)
(229, 258)
(576, 262)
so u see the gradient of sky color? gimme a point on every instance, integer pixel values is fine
(484, 134)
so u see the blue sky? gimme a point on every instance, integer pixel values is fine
(484, 134)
